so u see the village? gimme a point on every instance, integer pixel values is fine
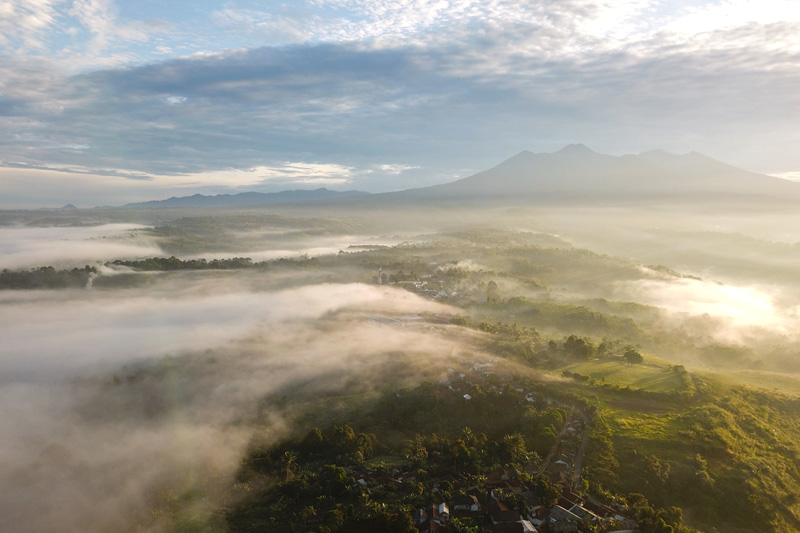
(544, 497)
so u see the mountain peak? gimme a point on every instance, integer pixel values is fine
(576, 149)
(577, 172)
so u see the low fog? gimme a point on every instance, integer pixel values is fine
(115, 401)
(61, 247)
(744, 314)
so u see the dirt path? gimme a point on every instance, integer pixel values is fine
(576, 480)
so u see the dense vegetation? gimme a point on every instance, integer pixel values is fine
(434, 439)
(173, 263)
(46, 277)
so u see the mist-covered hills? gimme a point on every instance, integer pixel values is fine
(248, 199)
(578, 173)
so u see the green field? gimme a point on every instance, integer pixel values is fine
(771, 381)
(652, 375)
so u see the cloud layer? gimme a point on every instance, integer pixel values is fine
(387, 95)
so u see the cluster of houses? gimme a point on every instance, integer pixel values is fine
(571, 513)
(435, 285)
(506, 504)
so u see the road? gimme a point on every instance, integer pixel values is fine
(556, 444)
(576, 479)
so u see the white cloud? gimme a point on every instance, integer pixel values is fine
(175, 100)
(726, 15)
(27, 247)
(396, 169)
(62, 184)
(24, 23)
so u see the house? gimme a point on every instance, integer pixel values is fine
(572, 496)
(559, 514)
(444, 512)
(500, 476)
(562, 526)
(584, 513)
(429, 526)
(625, 523)
(430, 520)
(562, 520)
(532, 502)
(387, 480)
(566, 502)
(466, 502)
(499, 513)
(516, 486)
(508, 527)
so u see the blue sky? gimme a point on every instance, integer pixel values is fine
(105, 102)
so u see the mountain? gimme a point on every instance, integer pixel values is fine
(573, 174)
(249, 199)
(578, 173)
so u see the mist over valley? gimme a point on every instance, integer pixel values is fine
(159, 365)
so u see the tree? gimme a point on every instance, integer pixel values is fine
(633, 357)
(548, 493)
(655, 472)
(577, 347)
(492, 291)
(512, 449)
(289, 465)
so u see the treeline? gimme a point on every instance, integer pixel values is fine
(173, 263)
(528, 344)
(46, 277)
(495, 413)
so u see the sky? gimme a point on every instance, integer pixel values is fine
(105, 102)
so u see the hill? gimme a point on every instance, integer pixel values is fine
(249, 199)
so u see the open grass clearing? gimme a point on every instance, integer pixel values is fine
(650, 375)
(771, 381)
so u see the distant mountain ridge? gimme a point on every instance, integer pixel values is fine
(250, 199)
(578, 173)
(574, 173)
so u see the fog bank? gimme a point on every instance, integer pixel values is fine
(102, 430)
(66, 247)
